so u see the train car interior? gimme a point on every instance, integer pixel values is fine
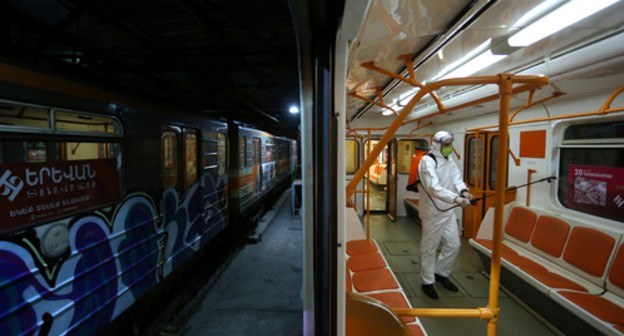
(410, 74)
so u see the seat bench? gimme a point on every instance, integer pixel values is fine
(574, 265)
(368, 273)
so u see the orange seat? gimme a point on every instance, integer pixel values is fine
(368, 316)
(394, 300)
(582, 240)
(415, 330)
(550, 235)
(554, 280)
(521, 223)
(372, 280)
(616, 272)
(505, 250)
(367, 261)
(524, 263)
(361, 246)
(597, 306)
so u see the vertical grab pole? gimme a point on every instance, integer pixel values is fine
(505, 82)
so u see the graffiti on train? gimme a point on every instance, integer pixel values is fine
(91, 268)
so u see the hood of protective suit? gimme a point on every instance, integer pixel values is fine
(438, 139)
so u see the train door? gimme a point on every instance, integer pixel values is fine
(480, 177)
(391, 190)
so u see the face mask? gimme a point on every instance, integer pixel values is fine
(446, 151)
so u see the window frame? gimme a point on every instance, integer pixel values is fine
(174, 155)
(581, 151)
(188, 171)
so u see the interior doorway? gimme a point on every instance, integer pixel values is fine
(480, 177)
(378, 178)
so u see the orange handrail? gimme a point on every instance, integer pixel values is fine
(604, 109)
(529, 83)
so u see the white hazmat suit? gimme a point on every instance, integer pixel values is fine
(441, 182)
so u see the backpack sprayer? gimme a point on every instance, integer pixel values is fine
(476, 200)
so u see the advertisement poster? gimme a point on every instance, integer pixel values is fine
(35, 192)
(597, 190)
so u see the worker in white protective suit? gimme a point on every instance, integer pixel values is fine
(441, 188)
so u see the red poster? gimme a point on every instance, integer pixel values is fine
(34, 192)
(597, 190)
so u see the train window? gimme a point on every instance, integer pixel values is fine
(54, 151)
(17, 115)
(474, 146)
(406, 150)
(270, 150)
(36, 151)
(242, 151)
(257, 148)
(221, 152)
(190, 158)
(52, 178)
(83, 122)
(351, 162)
(170, 159)
(591, 169)
(25, 118)
(493, 161)
(383, 155)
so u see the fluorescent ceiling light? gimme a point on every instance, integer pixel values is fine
(476, 64)
(562, 17)
(477, 59)
(408, 95)
(537, 11)
(393, 106)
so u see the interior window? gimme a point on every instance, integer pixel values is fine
(406, 150)
(351, 161)
(493, 161)
(474, 146)
(591, 169)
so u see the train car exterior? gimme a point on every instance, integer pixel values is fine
(260, 162)
(104, 199)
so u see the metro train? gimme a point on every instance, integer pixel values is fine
(105, 198)
(548, 105)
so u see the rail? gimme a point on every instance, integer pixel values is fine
(505, 83)
(604, 110)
